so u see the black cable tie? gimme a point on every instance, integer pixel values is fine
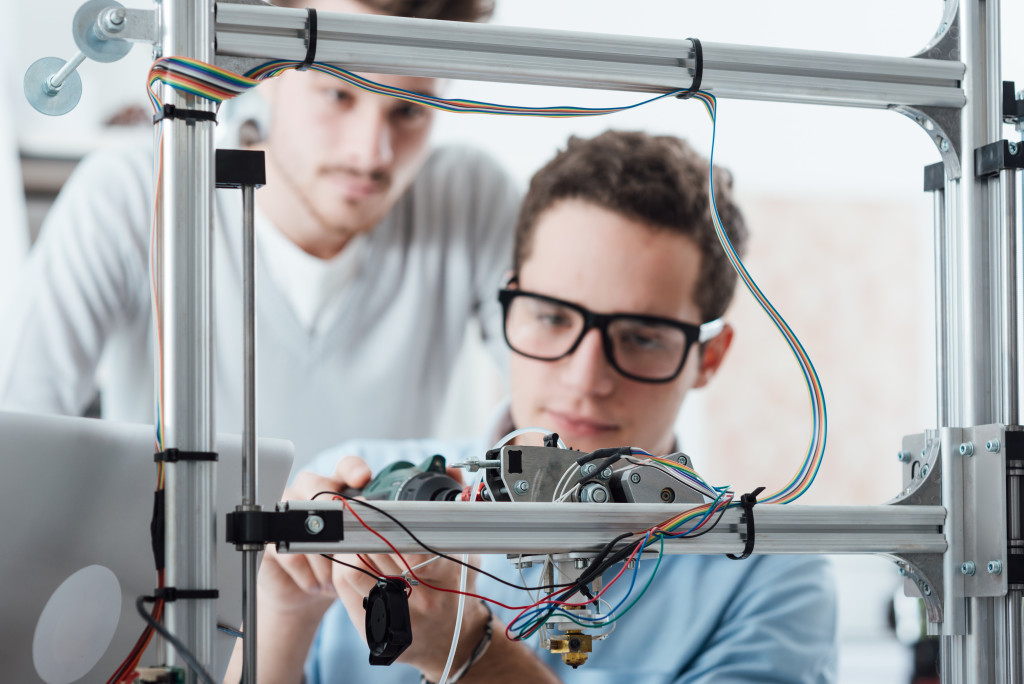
(176, 455)
(698, 69)
(747, 501)
(170, 594)
(310, 40)
(551, 440)
(190, 116)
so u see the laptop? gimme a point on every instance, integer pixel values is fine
(76, 498)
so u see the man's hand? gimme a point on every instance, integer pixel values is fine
(432, 612)
(301, 585)
(295, 590)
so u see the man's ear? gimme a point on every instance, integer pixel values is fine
(712, 355)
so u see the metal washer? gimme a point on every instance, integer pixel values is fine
(87, 36)
(38, 94)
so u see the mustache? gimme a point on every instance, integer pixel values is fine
(376, 176)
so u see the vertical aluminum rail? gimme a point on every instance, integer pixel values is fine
(250, 553)
(983, 283)
(185, 250)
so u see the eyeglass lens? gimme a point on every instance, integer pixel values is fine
(549, 330)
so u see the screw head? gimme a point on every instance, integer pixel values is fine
(902, 570)
(967, 568)
(967, 449)
(925, 588)
(992, 446)
(634, 478)
(521, 486)
(1013, 148)
(314, 524)
(682, 459)
(994, 567)
(925, 469)
(594, 492)
(944, 145)
(605, 474)
(903, 457)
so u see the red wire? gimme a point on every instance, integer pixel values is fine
(466, 593)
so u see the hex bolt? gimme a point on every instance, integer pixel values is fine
(994, 567)
(634, 478)
(925, 469)
(967, 568)
(967, 449)
(606, 473)
(594, 492)
(113, 19)
(314, 524)
(992, 446)
(588, 469)
(903, 457)
(521, 486)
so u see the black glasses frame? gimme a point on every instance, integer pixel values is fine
(601, 322)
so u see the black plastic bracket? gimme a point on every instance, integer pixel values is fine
(990, 159)
(935, 177)
(284, 527)
(237, 168)
(1013, 109)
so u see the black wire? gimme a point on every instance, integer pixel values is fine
(349, 565)
(182, 650)
(230, 631)
(434, 551)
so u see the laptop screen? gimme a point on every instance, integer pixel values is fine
(76, 498)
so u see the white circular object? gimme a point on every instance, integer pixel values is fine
(77, 625)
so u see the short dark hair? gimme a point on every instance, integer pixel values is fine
(658, 180)
(447, 10)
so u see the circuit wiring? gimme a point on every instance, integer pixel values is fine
(217, 85)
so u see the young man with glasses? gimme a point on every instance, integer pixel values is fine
(613, 315)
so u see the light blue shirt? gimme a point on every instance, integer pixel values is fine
(703, 618)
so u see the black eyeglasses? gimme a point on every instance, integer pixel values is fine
(644, 348)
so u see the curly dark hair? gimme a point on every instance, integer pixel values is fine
(657, 180)
(447, 10)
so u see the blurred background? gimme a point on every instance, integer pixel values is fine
(841, 240)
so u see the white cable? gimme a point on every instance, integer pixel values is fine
(458, 621)
(522, 431)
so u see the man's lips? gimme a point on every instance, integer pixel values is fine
(577, 425)
(355, 188)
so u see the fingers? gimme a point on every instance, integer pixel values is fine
(350, 471)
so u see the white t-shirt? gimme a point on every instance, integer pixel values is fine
(362, 348)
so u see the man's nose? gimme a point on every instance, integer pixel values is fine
(366, 139)
(587, 369)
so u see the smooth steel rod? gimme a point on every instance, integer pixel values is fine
(186, 318)
(547, 528)
(462, 50)
(250, 473)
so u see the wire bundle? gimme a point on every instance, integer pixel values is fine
(802, 481)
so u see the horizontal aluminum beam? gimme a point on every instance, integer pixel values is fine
(248, 35)
(552, 528)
